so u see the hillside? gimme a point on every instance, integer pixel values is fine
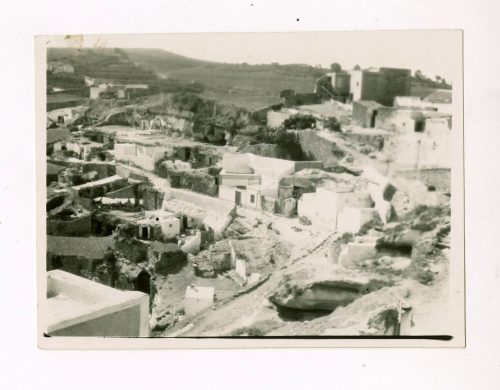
(248, 86)
(108, 64)
(244, 85)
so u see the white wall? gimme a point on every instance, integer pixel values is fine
(124, 151)
(241, 268)
(352, 219)
(356, 83)
(234, 180)
(170, 226)
(228, 193)
(323, 206)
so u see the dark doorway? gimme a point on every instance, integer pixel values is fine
(144, 233)
(237, 198)
(57, 262)
(372, 118)
(143, 282)
(187, 154)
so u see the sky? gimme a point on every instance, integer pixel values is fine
(434, 52)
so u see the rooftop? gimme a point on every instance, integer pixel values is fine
(369, 103)
(106, 180)
(54, 135)
(53, 169)
(72, 299)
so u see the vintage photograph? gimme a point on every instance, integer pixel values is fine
(259, 186)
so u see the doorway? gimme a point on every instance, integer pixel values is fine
(372, 118)
(143, 282)
(237, 198)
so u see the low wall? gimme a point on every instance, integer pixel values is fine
(299, 165)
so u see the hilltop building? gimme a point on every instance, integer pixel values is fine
(380, 85)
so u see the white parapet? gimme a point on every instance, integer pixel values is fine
(80, 307)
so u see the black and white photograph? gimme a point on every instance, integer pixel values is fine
(251, 187)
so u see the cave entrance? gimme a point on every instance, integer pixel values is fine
(143, 282)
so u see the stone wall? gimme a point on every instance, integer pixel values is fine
(318, 148)
(79, 226)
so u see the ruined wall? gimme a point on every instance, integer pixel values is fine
(170, 261)
(196, 181)
(134, 250)
(318, 148)
(80, 226)
(103, 169)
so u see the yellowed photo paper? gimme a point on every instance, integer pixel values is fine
(207, 190)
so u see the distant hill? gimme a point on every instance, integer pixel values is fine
(107, 64)
(244, 85)
(250, 86)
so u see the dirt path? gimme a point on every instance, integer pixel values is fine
(243, 310)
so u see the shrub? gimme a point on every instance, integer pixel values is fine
(333, 124)
(304, 220)
(299, 122)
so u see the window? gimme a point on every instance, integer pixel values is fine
(252, 198)
(169, 225)
(419, 126)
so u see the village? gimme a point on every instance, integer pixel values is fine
(326, 213)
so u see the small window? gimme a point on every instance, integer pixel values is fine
(169, 225)
(252, 198)
(419, 126)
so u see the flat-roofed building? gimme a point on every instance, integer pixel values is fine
(76, 306)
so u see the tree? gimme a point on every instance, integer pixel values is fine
(418, 74)
(335, 67)
(357, 67)
(438, 78)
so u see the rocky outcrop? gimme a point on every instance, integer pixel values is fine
(324, 288)
(387, 311)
